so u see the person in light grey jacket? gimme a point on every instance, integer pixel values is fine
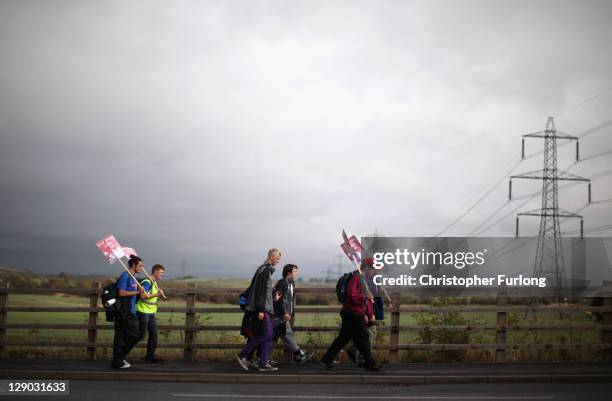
(284, 308)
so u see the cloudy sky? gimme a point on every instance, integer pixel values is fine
(208, 132)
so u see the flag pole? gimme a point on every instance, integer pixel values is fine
(154, 283)
(352, 256)
(356, 264)
(131, 275)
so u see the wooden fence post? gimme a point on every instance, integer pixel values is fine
(500, 333)
(190, 320)
(606, 333)
(92, 332)
(394, 334)
(3, 302)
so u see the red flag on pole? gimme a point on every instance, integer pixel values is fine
(129, 251)
(110, 248)
(357, 248)
(352, 248)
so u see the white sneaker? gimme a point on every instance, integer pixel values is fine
(243, 363)
(125, 365)
(268, 368)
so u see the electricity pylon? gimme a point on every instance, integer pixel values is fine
(330, 274)
(549, 255)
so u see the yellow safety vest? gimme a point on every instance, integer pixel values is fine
(148, 305)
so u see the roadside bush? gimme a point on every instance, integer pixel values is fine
(431, 335)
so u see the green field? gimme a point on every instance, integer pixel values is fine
(302, 319)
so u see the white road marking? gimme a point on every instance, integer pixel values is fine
(399, 397)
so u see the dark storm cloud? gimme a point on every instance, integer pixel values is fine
(209, 132)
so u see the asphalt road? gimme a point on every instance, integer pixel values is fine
(151, 391)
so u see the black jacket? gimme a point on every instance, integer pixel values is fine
(251, 326)
(260, 297)
(286, 303)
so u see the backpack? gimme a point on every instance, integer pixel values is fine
(110, 301)
(243, 298)
(342, 286)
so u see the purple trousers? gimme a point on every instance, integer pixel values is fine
(264, 340)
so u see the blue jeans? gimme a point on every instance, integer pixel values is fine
(264, 340)
(148, 323)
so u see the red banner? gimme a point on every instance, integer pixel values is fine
(110, 248)
(129, 251)
(352, 248)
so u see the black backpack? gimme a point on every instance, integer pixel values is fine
(111, 301)
(342, 286)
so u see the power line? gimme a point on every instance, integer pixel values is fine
(506, 215)
(588, 132)
(480, 199)
(602, 174)
(584, 102)
(592, 229)
(607, 152)
(532, 238)
(529, 197)
(602, 201)
(534, 194)
(495, 257)
(487, 219)
(570, 245)
(595, 129)
(498, 251)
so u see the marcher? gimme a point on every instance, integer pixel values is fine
(356, 312)
(283, 312)
(257, 321)
(127, 333)
(146, 309)
(377, 293)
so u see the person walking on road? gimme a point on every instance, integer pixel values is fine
(357, 312)
(146, 310)
(377, 293)
(283, 313)
(127, 333)
(257, 322)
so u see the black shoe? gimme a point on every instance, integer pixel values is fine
(327, 366)
(302, 359)
(351, 354)
(375, 368)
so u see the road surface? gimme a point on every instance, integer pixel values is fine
(155, 391)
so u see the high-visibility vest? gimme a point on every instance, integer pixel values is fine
(148, 305)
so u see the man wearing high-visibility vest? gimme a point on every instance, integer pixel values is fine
(146, 308)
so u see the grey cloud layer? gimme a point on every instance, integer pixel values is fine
(212, 131)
